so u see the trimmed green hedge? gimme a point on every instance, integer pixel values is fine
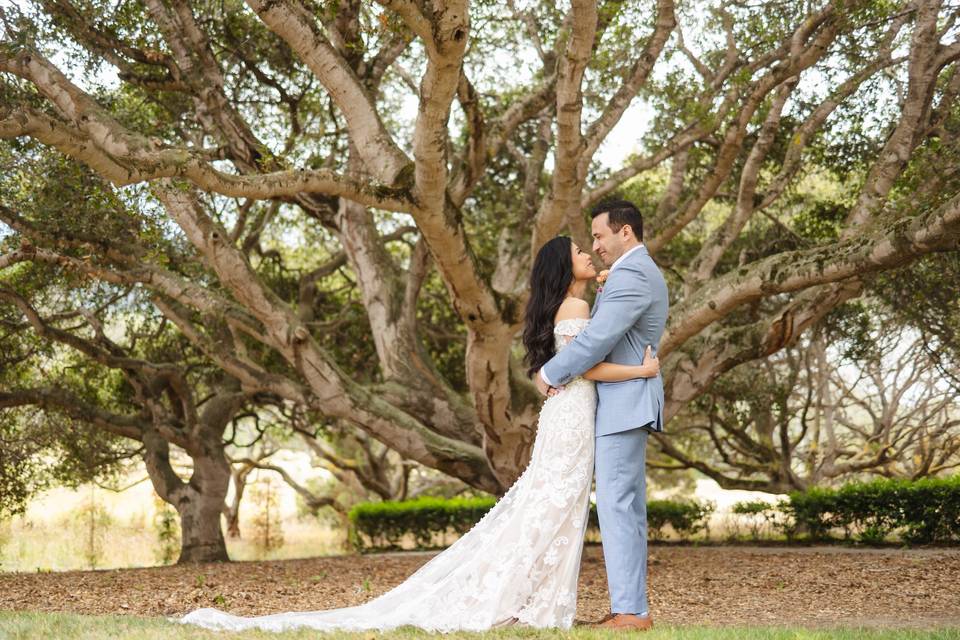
(685, 517)
(384, 525)
(919, 511)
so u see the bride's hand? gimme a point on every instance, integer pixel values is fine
(651, 363)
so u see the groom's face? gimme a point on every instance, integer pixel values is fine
(606, 244)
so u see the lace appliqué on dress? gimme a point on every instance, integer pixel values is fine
(518, 565)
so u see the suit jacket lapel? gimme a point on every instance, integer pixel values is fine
(596, 303)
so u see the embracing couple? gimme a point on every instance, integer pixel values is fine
(520, 563)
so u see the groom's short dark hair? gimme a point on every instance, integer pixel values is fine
(621, 212)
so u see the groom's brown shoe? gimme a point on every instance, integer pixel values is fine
(625, 622)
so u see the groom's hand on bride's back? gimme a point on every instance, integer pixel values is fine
(543, 387)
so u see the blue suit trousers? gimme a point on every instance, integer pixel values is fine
(622, 506)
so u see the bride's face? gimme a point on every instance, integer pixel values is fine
(582, 264)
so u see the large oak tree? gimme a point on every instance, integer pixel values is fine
(289, 140)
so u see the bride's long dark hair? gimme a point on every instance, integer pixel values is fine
(550, 279)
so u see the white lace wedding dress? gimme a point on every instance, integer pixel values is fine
(518, 565)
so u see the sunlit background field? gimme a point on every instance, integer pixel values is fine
(93, 527)
(102, 528)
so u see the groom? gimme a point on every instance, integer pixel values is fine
(629, 313)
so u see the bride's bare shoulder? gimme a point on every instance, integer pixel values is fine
(572, 308)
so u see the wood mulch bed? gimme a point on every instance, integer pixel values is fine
(714, 585)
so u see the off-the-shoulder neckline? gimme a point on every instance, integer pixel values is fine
(571, 321)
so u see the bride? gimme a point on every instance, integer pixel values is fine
(520, 563)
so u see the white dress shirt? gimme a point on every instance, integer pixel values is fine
(625, 254)
(612, 267)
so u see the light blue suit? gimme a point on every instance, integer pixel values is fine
(629, 314)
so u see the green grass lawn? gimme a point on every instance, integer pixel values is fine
(53, 626)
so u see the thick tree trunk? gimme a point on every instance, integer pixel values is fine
(202, 536)
(508, 436)
(199, 502)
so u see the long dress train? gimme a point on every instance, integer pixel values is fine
(518, 565)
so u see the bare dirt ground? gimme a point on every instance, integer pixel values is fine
(715, 585)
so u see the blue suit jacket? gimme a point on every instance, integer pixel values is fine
(629, 314)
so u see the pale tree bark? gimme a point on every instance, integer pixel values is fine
(335, 394)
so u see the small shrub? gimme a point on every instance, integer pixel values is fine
(268, 530)
(92, 520)
(919, 511)
(811, 512)
(686, 517)
(4, 537)
(384, 524)
(762, 516)
(166, 524)
(930, 510)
